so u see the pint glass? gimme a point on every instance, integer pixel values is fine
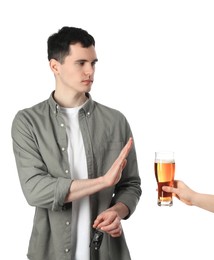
(164, 173)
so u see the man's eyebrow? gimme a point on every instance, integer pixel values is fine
(83, 60)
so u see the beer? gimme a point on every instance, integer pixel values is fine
(164, 174)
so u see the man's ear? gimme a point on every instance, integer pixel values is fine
(54, 65)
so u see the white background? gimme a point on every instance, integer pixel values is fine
(156, 64)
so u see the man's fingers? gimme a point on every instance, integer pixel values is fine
(124, 164)
(126, 149)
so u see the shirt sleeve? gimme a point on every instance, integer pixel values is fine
(40, 188)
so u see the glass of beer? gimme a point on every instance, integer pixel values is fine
(164, 173)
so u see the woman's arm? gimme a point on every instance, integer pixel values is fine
(191, 197)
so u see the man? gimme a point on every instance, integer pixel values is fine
(76, 160)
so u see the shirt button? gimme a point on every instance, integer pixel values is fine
(88, 113)
(62, 125)
(66, 171)
(63, 148)
(67, 223)
(67, 250)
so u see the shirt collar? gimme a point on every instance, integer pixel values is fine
(87, 108)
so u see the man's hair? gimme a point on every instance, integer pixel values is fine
(59, 43)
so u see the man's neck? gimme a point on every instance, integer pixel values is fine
(71, 100)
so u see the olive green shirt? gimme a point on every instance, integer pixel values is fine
(40, 148)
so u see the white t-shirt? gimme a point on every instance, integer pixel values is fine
(80, 208)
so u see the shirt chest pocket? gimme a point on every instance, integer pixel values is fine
(108, 153)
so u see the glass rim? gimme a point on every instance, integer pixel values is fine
(164, 151)
(165, 155)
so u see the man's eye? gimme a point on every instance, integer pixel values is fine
(93, 63)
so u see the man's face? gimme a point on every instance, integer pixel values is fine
(77, 71)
